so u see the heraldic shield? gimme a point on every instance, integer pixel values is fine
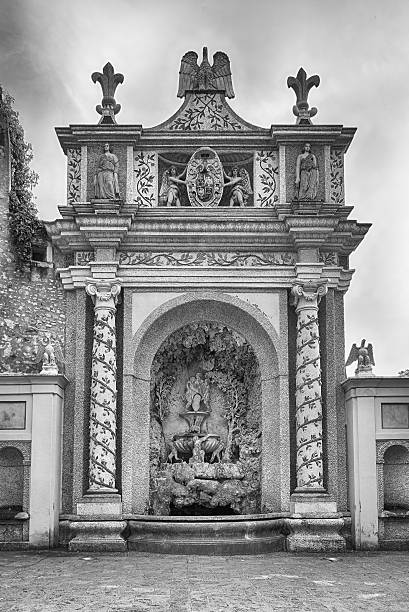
(204, 179)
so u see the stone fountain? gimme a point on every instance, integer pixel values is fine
(196, 444)
(205, 449)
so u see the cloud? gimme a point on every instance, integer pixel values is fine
(48, 51)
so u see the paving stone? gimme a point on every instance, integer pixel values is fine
(131, 582)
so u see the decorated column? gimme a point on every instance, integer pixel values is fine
(102, 445)
(308, 388)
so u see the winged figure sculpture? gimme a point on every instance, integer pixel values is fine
(205, 77)
(50, 355)
(363, 355)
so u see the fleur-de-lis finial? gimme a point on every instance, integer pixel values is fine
(301, 86)
(109, 81)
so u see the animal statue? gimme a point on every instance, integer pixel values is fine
(363, 355)
(217, 453)
(50, 355)
(173, 455)
(205, 77)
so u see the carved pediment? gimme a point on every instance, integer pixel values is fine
(205, 111)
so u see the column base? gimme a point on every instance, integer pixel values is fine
(97, 536)
(315, 524)
(100, 504)
(320, 534)
(307, 504)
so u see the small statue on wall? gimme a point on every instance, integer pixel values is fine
(239, 180)
(364, 356)
(169, 194)
(48, 354)
(106, 183)
(306, 175)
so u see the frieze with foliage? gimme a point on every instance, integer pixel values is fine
(205, 111)
(206, 259)
(266, 178)
(73, 175)
(82, 258)
(328, 258)
(208, 468)
(337, 176)
(145, 170)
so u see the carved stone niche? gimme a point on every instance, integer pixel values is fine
(94, 155)
(178, 165)
(205, 431)
(292, 153)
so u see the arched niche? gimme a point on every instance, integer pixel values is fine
(396, 479)
(255, 327)
(393, 476)
(205, 424)
(11, 481)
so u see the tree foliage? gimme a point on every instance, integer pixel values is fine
(24, 225)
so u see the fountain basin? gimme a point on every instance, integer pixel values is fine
(207, 535)
(184, 442)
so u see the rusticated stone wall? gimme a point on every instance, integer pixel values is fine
(31, 305)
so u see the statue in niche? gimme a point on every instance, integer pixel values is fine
(197, 393)
(106, 183)
(306, 175)
(169, 194)
(239, 181)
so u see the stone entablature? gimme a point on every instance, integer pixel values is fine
(225, 241)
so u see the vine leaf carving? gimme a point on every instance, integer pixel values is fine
(207, 259)
(145, 165)
(205, 112)
(266, 178)
(73, 175)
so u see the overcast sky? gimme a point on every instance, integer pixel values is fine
(360, 49)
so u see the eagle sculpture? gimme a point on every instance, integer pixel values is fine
(362, 354)
(205, 77)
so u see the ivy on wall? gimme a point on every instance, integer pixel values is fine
(25, 227)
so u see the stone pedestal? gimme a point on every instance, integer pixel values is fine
(97, 535)
(40, 443)
(45, 459)
(99, 524)
(312, 504)
(361, 441)
(318, 534)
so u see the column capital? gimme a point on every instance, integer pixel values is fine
(104, 292)
(307, 294)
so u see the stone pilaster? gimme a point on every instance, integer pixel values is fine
(102, 446)
(306, 298)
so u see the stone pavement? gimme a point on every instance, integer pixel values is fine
(133, 582)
